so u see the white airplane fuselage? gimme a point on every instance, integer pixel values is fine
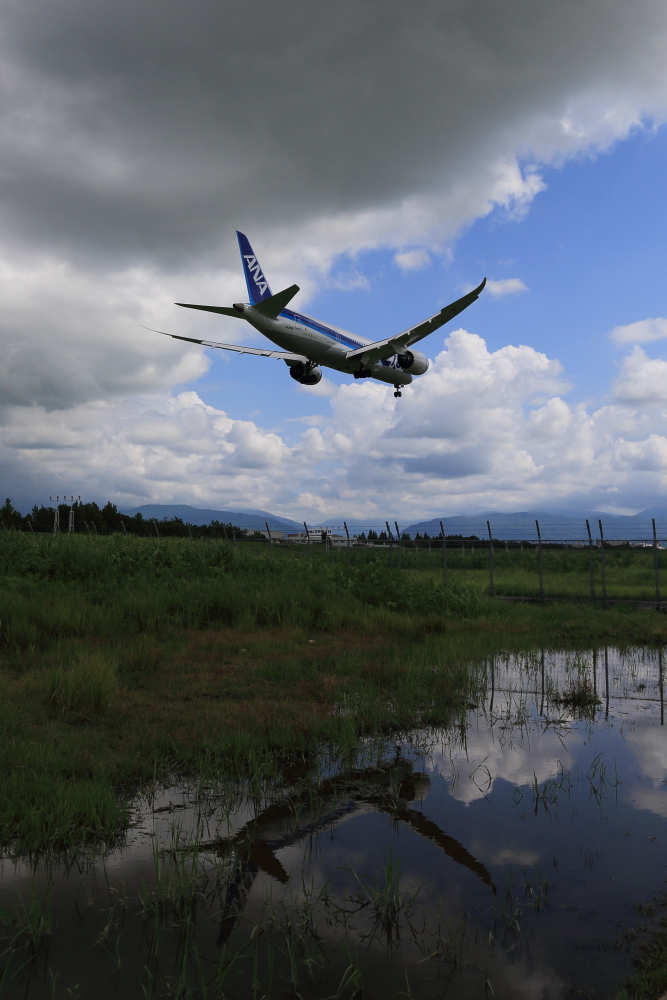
(328, 345)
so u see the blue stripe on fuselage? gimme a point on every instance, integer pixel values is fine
(321, 328)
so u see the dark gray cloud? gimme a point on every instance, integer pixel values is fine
(455, 465)
(146, 130)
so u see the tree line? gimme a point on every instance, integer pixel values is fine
(107, 520)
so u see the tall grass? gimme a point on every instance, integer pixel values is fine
(85, 686)
(55, 588)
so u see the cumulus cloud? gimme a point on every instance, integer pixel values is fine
(641, 332)
(160, 447)
(484, 428)
(506, 286)
(69, 336)
(642, 380)
(413, 260)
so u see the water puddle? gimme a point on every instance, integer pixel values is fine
(502, 857)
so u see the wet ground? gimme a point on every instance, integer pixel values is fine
(500, 858)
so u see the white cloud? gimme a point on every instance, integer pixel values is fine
(642, 380)
(325, 387)
(506, 286)
(155, 448)
(649, 455)
(69, 335)
(641, 332)
(466, 437)
(413, 260)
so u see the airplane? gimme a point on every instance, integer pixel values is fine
(307, 344)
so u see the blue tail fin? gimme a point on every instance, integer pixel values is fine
(258, 286)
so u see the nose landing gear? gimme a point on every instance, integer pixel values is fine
(397, 393)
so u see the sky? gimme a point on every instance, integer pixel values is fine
(384, 156)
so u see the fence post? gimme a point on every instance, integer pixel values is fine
(30, 524)
(398, 541)
(154, 525)
(590, 559)
(391, 544)
(655, 564)
(539, 558)
(606, 681)
(189, 529)
(444, 553)
(70, 526)
(348, 542)
(56, 521)
(307, 537)
(124, 528)
(493, 589)
(604, 578)
(270, 539)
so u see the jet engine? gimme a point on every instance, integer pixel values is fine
(305, 374)
(413, 362)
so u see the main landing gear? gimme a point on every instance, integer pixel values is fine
(397, 393)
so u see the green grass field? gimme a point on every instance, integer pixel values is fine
(629, 573)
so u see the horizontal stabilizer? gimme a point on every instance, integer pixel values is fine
(383, 349)
(223, 310)
(274, 305)
(279, 355)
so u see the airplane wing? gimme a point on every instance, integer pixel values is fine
(383, 349)
(279, 355)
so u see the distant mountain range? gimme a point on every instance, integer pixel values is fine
(513, 526)
(561, 527)
(249, 518)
